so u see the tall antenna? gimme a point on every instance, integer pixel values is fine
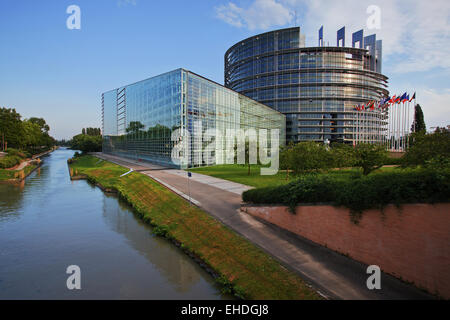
(295, 18)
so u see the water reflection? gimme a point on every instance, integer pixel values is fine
(10, 198)
(177, 267)
(54, 222)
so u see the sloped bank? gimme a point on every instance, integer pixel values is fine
(18, 176)
(239, 266)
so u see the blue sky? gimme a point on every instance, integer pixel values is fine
(49, 71)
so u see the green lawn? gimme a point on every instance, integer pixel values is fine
(251, 272)
(239, 173)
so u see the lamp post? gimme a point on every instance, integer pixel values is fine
(189, 175)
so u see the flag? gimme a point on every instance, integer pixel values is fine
(405, 98)
(391, 101)
(413, 97)
(398, 99)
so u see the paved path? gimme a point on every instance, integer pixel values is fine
(331, 274)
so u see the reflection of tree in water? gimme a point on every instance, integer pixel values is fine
(12, 196)
(177, 268)
(10, 201)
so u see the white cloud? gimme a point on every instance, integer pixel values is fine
(415, 33)
(261, 14)
(436, 107)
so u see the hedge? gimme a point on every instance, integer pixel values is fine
(359, 193)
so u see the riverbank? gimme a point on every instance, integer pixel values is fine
(238, 265)
(17, 176)
(19, 173)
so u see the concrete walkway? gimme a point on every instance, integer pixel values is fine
(331, 274)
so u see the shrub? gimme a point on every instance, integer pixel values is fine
(343, 155)
(86, 143)
(359, 193)
(305, 156)
(18, 153)
(9, 161)
(427, 147)
(393, 161)
(370, 157)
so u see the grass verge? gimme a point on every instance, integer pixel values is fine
(239, 173)
(16, 175)
(241, 268)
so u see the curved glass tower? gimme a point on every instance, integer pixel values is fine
(317, 88)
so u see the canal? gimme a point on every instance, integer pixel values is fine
(50, 223)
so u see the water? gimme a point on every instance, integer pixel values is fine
(51, 222)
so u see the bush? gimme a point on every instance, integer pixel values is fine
(359, 193)
(9, 161)
(427, 147)
(19, 153)
(393, 161)
(86, 143)
(370, 157)
(343, 155)
(305, 156)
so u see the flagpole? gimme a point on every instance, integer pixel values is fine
(398, 127)
(407, 128)
(404, 124)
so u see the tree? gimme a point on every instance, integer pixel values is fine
(434, 147)
(306, 156)
(11, 128)
(419, 121)
(43, 126)
(370, 157)
(86, 143)
(286, 158)
(342, 155)
(83, 131)
(134, 128)
(31, 134)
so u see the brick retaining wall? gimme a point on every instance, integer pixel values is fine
(412, 243)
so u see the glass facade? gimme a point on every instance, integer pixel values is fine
(138, 119)
(316, 88)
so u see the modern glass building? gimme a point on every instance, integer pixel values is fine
(316, 88)
(138, 119)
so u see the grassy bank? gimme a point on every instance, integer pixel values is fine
(16, 175)
(243, 268)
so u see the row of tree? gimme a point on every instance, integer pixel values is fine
(91, 131)
(310, 156)
(29, 134)
(427, 150)
(90, 140)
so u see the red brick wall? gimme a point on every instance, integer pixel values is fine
(412, 243)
